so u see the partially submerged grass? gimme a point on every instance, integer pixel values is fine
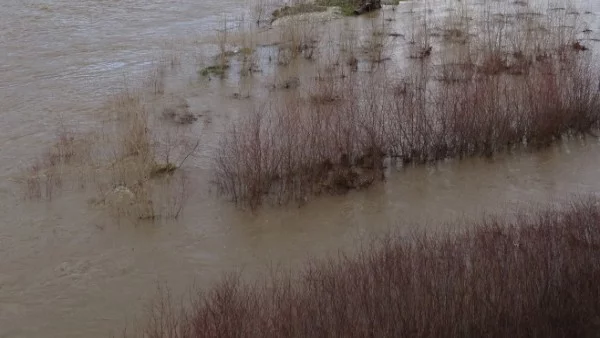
(289, 151)
(300, 147)
(144, 155)
(527, 276)
(499, 89)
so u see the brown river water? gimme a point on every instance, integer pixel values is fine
(68, 270)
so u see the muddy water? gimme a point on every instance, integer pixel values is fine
(68, 270)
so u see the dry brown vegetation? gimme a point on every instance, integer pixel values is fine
(135, 167)
(43, 177)
(131, 164)
(532, 276)
(302, 147)
(477, 82)
(507, 79)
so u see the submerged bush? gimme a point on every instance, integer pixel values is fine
(288, 151)
(508, 88)
(299, 8)
(535, 276)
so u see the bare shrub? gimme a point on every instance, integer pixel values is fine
(420, 36)
(377, 43)
(259, 9)
(479, 108)
(292, 149)
(244, 160)
(530, 275)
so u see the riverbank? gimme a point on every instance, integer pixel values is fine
(531, 275)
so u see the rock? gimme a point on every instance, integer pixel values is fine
(368, 6)
(579, 47)
(121, 195)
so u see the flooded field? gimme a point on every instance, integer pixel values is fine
(69, 268)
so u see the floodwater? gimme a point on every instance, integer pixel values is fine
(69, 270)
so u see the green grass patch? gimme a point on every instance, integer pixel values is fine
(347, 6)
(214, 70)
(298, 9)
(161, 169)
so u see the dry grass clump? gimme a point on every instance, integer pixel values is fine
(142, 156)
(420, 41)
(348, 49)
(535, 276)
(43, 178)
(299, 37)
(235, 41)
(155, 80)
(298, 8)
(132, 162)
(222, 40)
(377, 43)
